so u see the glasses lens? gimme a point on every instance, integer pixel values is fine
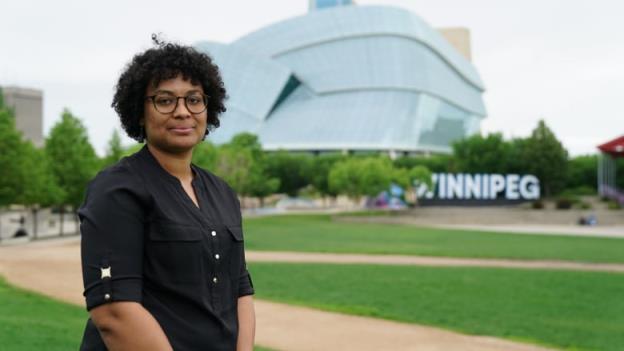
(165, 103)
(196, 103)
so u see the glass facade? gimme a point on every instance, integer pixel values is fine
(349, 78)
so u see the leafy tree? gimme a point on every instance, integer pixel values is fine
(357, 177)
(233, 166)
(241, 163)
(438, 163)
(115, 150)
(261, 185)
(293, 170)
(400, 177)
(249, 142)
(582, 172)
(205, 155)
(25, 176)
(548, 159)
(73, 160)
(517, 158)
(319, 173)
(40, 187)
(11, 155)
(420, 175)
(479, 154)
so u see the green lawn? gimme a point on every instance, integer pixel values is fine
(29, 321)
(569, 310)
(318, 233)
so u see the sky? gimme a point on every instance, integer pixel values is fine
(561, 61)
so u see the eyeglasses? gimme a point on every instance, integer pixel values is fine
(164, 103)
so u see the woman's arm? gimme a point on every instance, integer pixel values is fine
(246, 324)
(129, 326)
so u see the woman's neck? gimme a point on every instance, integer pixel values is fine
(178, 165)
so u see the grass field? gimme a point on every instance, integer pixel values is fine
(569, 310)
(565, 309)
(318, 233)
(29, 321)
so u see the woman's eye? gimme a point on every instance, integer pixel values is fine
(164, 101)
(194, 100)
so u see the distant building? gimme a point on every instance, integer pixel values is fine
(28, 107)
(350, 79)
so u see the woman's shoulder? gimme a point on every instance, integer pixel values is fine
(120, 176)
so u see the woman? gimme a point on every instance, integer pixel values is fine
(162, 243)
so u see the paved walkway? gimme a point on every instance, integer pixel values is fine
(53, 268)
(601, 231)
(565, 230)
(305, 257)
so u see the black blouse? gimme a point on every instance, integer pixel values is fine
(145, 240)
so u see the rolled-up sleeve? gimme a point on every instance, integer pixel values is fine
(112, 231)
(245, 285)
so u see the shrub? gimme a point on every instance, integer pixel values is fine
(584, 205)
(565, 202)
(614, 205)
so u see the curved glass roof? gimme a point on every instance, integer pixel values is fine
(348, 78)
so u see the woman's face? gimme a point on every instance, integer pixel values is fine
(176, 129)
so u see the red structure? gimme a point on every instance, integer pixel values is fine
(610, 151)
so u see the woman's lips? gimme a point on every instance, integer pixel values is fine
(182, 130)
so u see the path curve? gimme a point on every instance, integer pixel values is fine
(54, 270)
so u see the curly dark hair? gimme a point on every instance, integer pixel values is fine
(163, 62)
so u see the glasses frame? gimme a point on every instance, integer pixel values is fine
(177, 99)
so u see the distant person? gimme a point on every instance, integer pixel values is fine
(163, 260)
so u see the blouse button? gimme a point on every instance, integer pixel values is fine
(213, 233)
(214, 280)
(217, 256)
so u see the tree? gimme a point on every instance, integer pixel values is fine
(293, 170)
(233, 166)
(10, 159)
(517, 159)
(241, 163)
(419, 176)
(582, 173)
(73, 160)
(357, 177)
(438, 163)
(205, 155)
(319, 173)
(115, 150)
(478, 154)
(40, 188)
(548, 159)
